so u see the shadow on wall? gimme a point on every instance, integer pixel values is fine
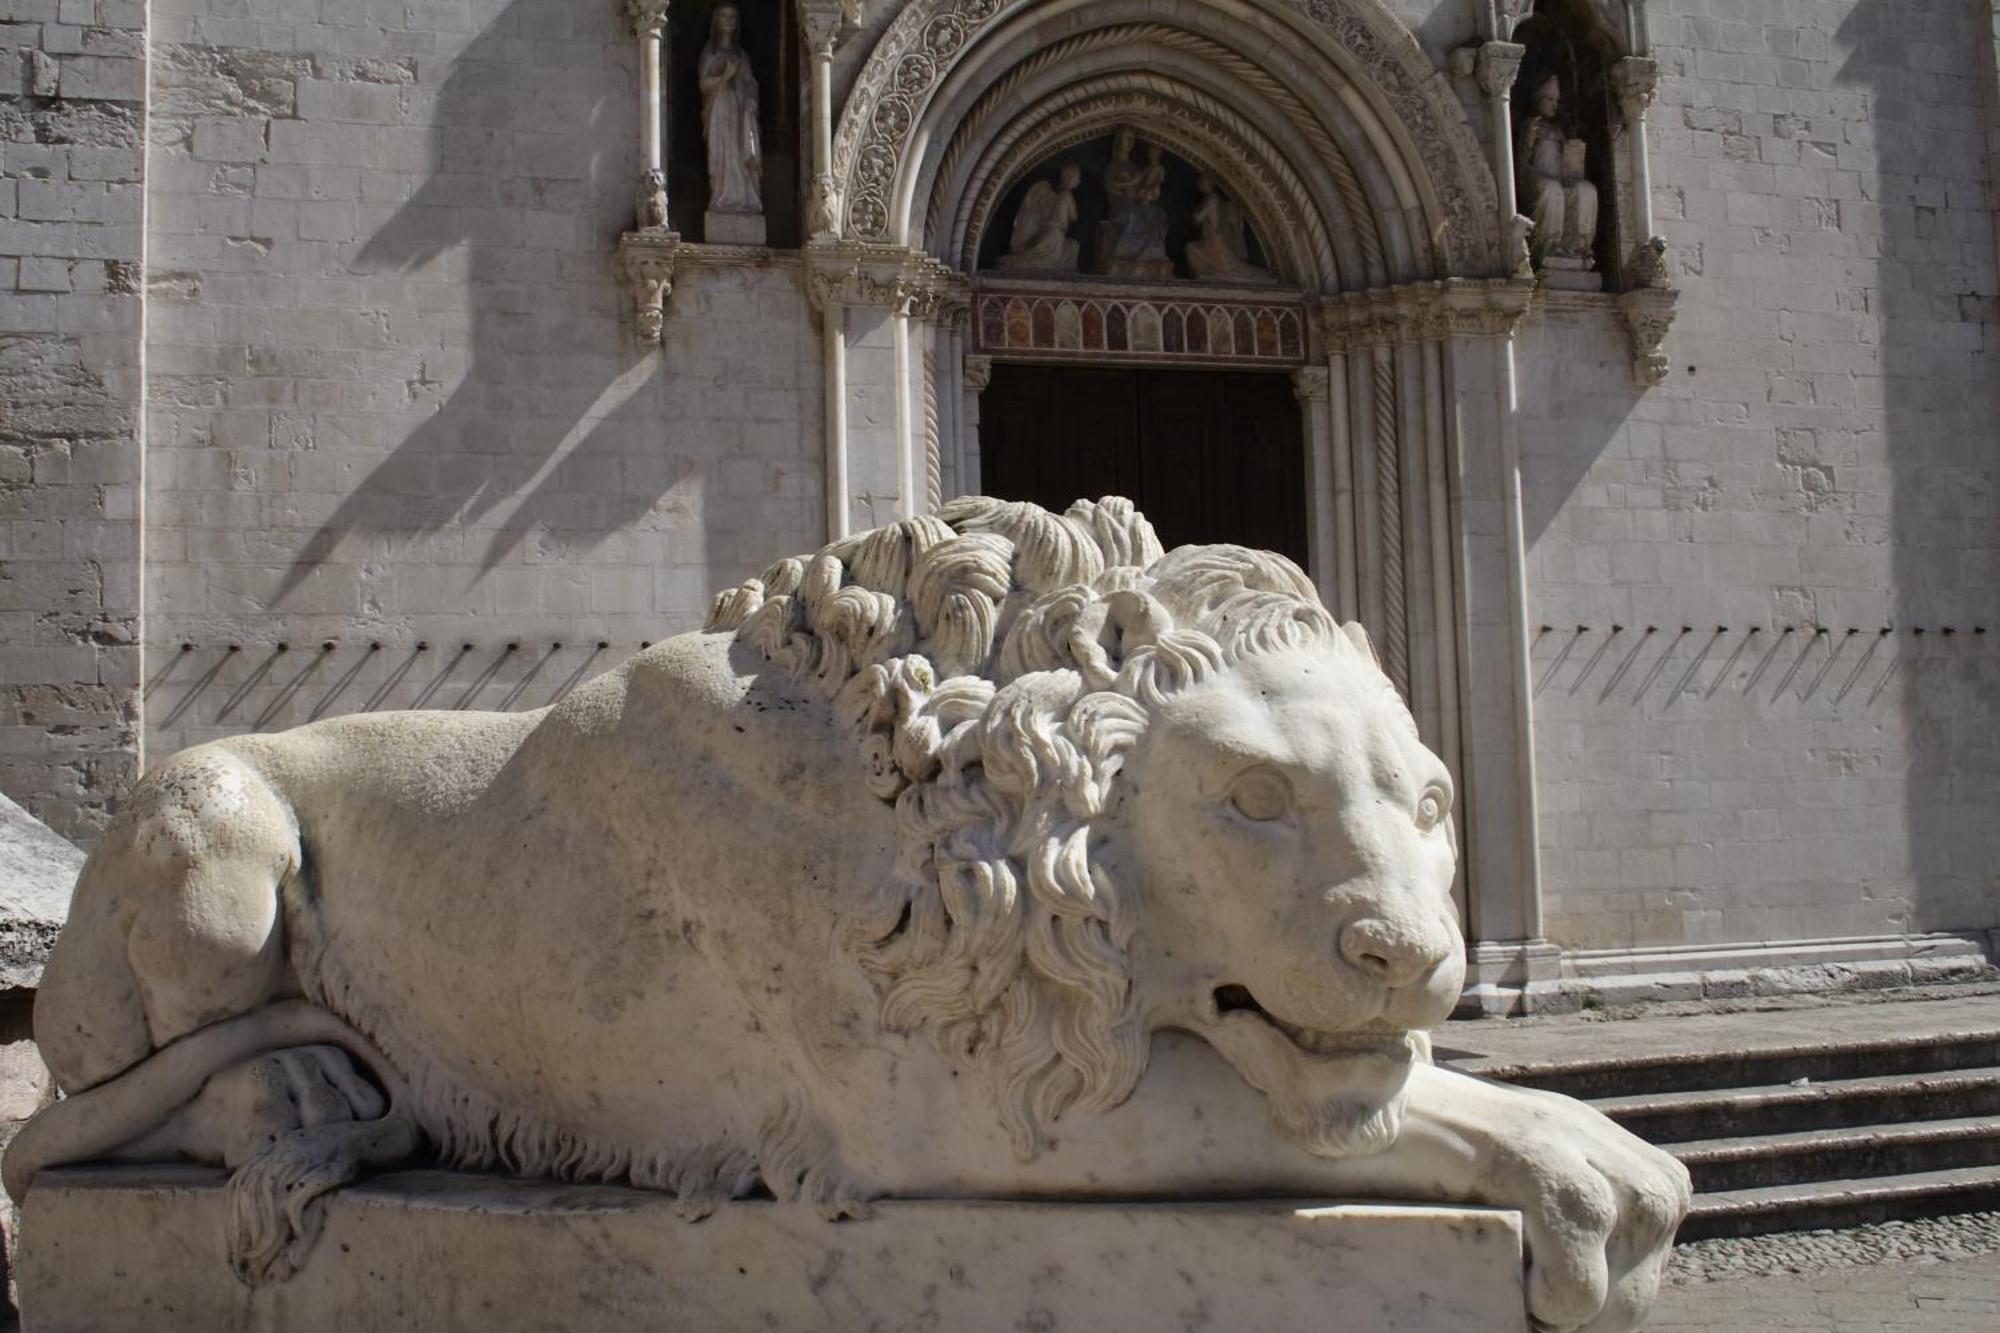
(1936, 323)
(552, 433)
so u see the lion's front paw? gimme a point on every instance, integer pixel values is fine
(1600, 1208)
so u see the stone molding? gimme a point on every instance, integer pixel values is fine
(1649, 313)
(1421, 312)
(892, 277)
(926, 38)
(649, 259)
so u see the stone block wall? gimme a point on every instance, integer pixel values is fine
(404, 450)
(72, 127)
(1767, 593)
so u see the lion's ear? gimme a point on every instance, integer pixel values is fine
(1359, 638)
(1132, 620)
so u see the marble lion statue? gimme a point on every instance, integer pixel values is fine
(994, 852)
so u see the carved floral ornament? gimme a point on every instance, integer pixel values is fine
(928, 36)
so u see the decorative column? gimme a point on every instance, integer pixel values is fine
(826, 293)
(646, 254)
(976, 375)
(1648, 301)
(1496, 66)
(1309, 386)
(649, 22)
(822, 31)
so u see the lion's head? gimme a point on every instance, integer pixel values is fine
(1137, 791)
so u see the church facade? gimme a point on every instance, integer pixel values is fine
(1623, 366)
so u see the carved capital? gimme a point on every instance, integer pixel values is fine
(1309, 384)
(821, 24)
(646, 270)
(1634, 79)
(893, 277)
(647, 17)
(1498, 63)
(978, 373)
(1649, 313)
(1421, 312)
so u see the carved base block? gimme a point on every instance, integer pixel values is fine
(732, 228)
(1572, 279)
(117, 1248)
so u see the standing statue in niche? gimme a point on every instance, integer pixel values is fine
(729, 126)
(1132, 240)
(1041, 239)
(1222, 251)
(1549, 168)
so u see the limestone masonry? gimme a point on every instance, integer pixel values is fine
(364, 356)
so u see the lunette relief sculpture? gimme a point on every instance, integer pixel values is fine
(990, 853)
(729, 128)
(1554, 189)
(1040, 239)
(1221, 252)
(1133, 237)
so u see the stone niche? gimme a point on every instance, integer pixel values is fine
(769, 36)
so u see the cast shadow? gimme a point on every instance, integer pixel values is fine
(551, 415)
(1936, 287)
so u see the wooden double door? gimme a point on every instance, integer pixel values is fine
(1208, 455)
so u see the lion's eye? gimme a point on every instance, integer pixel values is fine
(1432, 807)
(1261, 795)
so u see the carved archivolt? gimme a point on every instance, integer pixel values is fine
(1196, 126)
(1361, 39)
(1132, 38)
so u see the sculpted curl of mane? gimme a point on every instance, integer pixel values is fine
(994, 663)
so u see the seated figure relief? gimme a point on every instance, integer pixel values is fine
(1222, 250)
(994, 852)
(1041, 241)
(1554, 190)
(1132, 240)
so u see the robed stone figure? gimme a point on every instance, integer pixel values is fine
(1132, 241)
(729, 125)
(1041, 239)
(1554, 191)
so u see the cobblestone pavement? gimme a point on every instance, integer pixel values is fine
(1933, 1274)
(1961, 1295)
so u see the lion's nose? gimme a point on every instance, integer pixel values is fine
(1391, 953)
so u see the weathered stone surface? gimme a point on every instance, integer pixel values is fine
(402, 1251)
(38, 868)
(987, 854)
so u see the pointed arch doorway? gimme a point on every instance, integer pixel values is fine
(1208, 455)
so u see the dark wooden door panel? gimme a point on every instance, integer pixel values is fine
(1210, 456)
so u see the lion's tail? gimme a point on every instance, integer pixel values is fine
(104, 1118)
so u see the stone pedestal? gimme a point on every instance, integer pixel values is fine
(141, 1248)
(732, 228)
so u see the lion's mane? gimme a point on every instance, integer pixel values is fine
(994, 663)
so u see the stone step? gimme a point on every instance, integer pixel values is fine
(1686, 1071)
(1882, 1099)
(1820, 1204)
(1759, 1160)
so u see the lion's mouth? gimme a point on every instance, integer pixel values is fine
(1236, 1003)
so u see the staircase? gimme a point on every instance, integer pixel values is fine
(1830, 1133)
